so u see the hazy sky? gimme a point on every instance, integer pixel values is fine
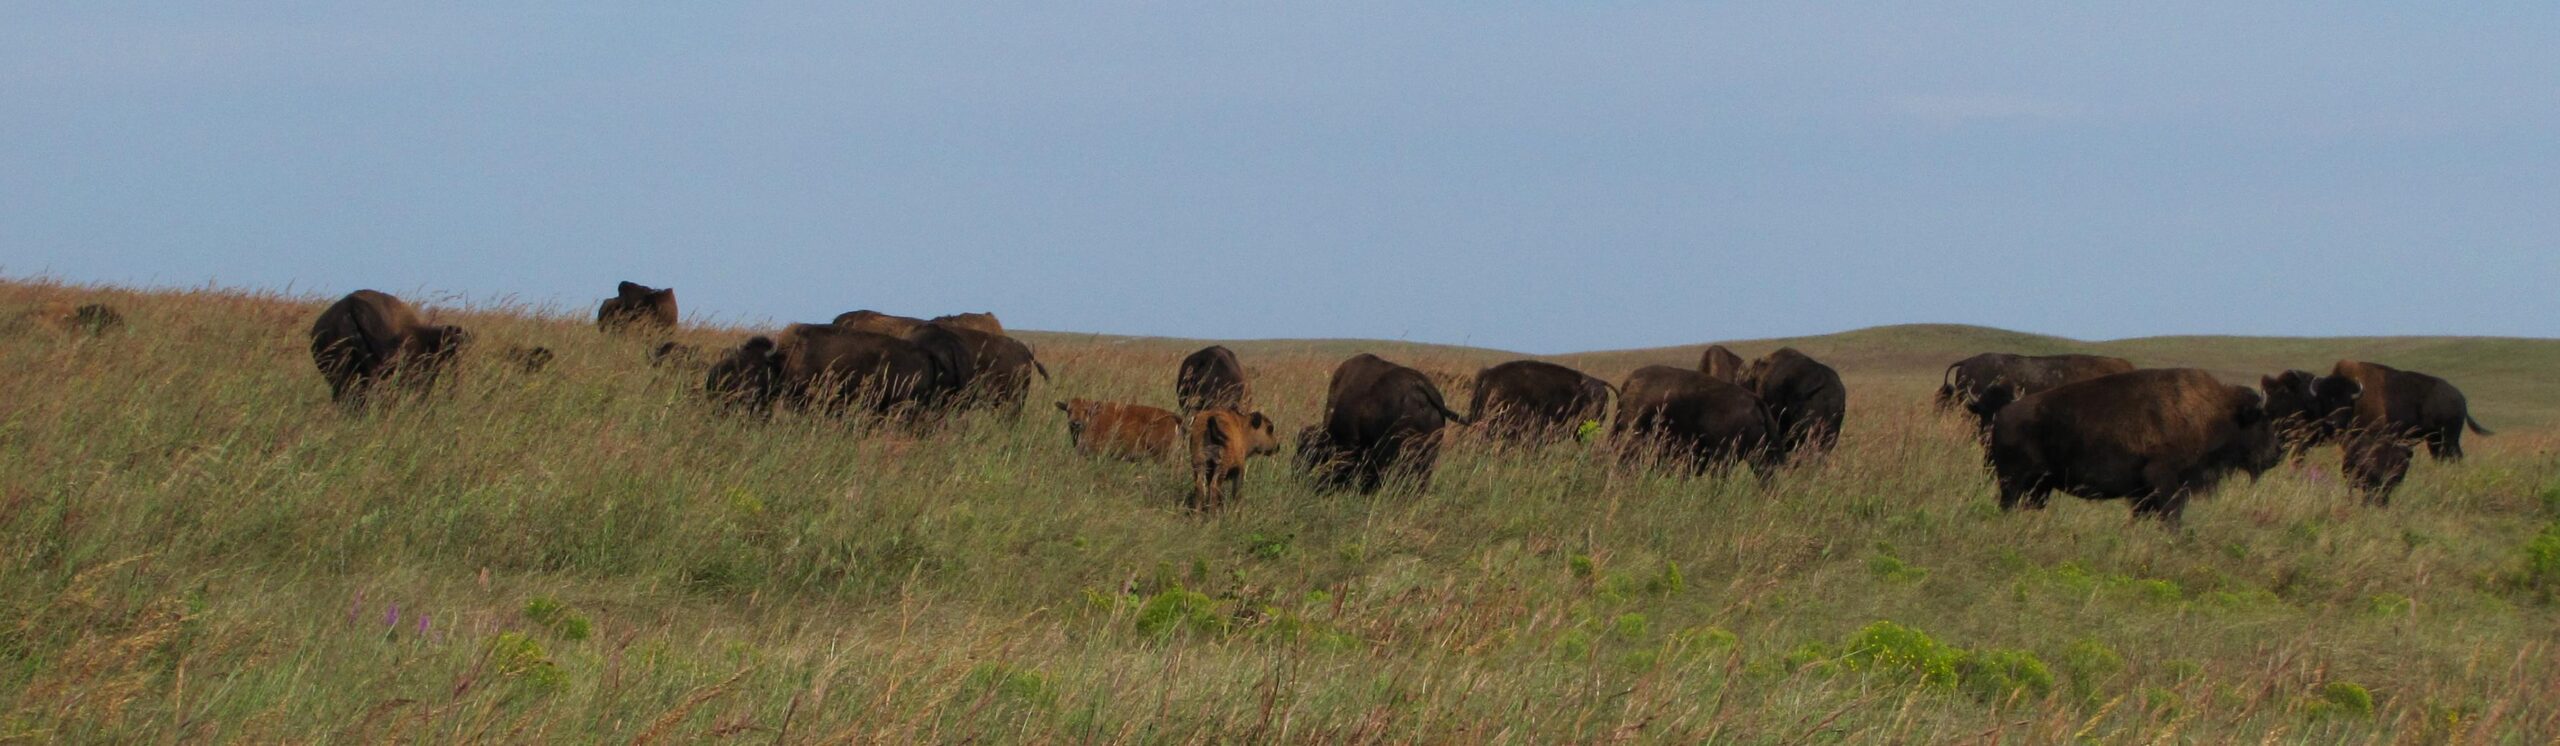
(1542, 177)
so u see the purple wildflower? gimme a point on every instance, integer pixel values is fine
(392, 619)
(422, 625)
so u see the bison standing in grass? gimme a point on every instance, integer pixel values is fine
(1535, 402)
(2376, 413)
(370, 337)
(2154, 437)
(1128, 431)
(1380, 418)
(1221, 441)
(637, 307)
(1211, 379)
(1807, 402)
(1696, 419)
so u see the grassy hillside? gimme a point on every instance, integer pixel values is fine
(198, 546)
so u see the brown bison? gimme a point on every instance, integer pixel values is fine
(1720, 364)
(1380, 418)
(1211, 379)
(994, 370)
(833, 370)
(1221, 441)
(1535, 402)
(1805, 399)
(878, 323)
(1687, 415)
(981, 321)
(674, 355)
(638, 307)
(2377, 413)
(1129, 431)
(2154, 437)
(1965, 381)
(370, 337)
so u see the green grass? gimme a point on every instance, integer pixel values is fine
(198, 546)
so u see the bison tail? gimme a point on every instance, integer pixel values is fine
(1432, 394)
(1043, 369)
(2475, 425)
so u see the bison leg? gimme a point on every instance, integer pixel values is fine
(2447, 443)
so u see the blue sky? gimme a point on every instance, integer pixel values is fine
(1542, 177)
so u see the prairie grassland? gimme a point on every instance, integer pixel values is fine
(194, 545)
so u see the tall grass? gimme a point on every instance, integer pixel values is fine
(194, 544)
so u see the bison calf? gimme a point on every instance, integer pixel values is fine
(1221, 440)
(2154, 437)
(1128, 431)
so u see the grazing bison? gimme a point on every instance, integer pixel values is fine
(1966, 380)
(878, 323)
(1211, 379)
(369, 337)
(981, 321)
(528, 359)
(2154, 437)
(1535, 402)
(836, 368)
(994, 370)
(1720, 364)
(1379, 418)
(1129, 431)
(1704, 422)
(1805, 399)
(1221, 441)
(638, 307)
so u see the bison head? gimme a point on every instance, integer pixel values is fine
(1987, 406)
(1721, 364)
(2292, 405)
(2255, 445)
(1263, 437)
(1080, 413)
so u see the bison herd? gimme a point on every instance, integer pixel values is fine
(2090, 426)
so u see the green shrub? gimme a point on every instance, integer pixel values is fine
(2342, 699)
(1175, 609)
(1893, 649)
(1893, 570)
(2090, 664)
(1997, 675)
(1009, 684)
(559, 619)
(519, 659)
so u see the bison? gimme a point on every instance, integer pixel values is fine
(1965, 381)
(1221, 441)
(1534, 402)
(1211, 379)
(528, 359)
(1806, 401)
(994, 370)
(1703, 422)
(1380, 418)
(93, 319)
(370, 337)
(1720, 364)
(674, 355)
(2153, 437)
(2376, 412)
(833, 370)
(637, 307)
(1128, 431)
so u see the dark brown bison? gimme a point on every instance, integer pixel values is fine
(1535, 402)
(1694, 418)
(2154, 437)
(1221, 441)
(1129, 431)
(1380, 419)
(832, 370)
(370, 337)
(995, 370)
(1720, 364)
(2374, 398)
(1806, 400)
(878, 323)
(980, 321)
(87, 318)
(1966, 380)
(1211, 379)
(2376, 413)
(638, 307)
